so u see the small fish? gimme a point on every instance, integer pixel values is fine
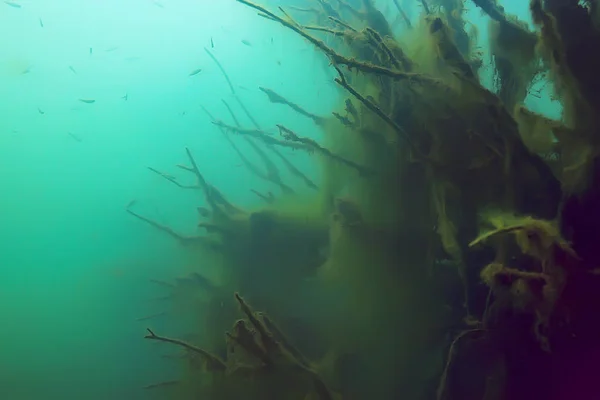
(75, 137)
(26, 70)
(195, 72)
(278, 62)
(157, 4)
(41, 23)
(87, 101)
(203, 211)
(111, 49)
(12, 4)
(271, 40)
(40, 111)
(126, 97)
(91, 51)
(247, 43)
(212, 44)
(72, 70)
(131, 203)
(134, 58)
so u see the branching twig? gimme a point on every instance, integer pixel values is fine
(374, 108)
(343, 119)
(328, 30)
(264, 136)
(288, 134)
(210, 193)
(338, 58)
(342, 23)
(291, 167)
(279, 99)
(172, 179)
(213, 363)
(266, 337)
(272, 175)
(382, 46)
(274, 329)
(269, 199)
(182, 238)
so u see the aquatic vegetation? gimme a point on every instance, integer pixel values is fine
(261, 363)
(422, 167)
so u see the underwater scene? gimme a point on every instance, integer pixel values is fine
(299, 199)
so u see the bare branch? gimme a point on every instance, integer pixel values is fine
(213, 363)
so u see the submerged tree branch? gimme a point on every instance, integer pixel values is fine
(338, 58)
(213, 363)
(279, 99)
(262, 135)
(211, 55)
(289, 165)
(288, 134)
(374, 108)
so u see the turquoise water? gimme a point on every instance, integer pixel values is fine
(74, 266)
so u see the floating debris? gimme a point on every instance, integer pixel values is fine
(212, 43)
(40, 111)
(195, 72)
(91, 51)
(87, 101)
(12, 4)
(247, 43)
(126, 97)
(72, 70)
(41, 23)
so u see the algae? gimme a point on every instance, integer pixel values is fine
(452, 237)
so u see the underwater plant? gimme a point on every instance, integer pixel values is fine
(449, 250)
